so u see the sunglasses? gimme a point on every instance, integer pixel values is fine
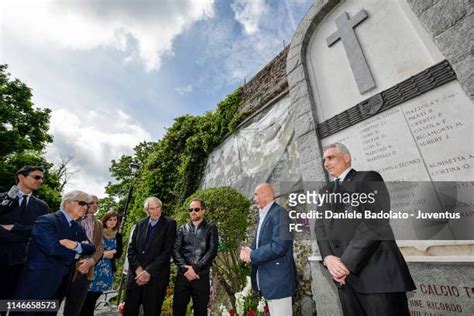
(37, 177)
(195, 209)
(81, 203)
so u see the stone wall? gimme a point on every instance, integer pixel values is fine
(266, 84)
(451, 24)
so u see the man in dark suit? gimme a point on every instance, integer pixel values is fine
(149, 255)
(56, 241)
(361, 254)
(271, 254)
(17, 217)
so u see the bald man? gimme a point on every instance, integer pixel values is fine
(271, 255)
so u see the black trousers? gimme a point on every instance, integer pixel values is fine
(376, 304)
(150, 295)
(76, 295)
(198, 289)
(89, 304)
(9, 276)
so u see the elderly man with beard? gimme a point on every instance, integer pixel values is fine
(56, 241)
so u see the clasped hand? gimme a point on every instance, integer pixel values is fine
(109, 254)
(143, 276)
(337, 269)
(191, 274)
(245, 254)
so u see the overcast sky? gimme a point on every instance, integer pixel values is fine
(117, 72)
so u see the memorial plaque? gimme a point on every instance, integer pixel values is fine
(441, 289)
(428, 138)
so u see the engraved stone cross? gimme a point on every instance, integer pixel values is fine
(345, 32)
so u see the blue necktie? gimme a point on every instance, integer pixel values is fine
(149, 233)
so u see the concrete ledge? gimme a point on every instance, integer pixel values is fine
(420, 258)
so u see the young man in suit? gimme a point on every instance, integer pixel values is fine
(17, 217)
(271, 255)
(149, 255)
(361, 255)
(57, 241)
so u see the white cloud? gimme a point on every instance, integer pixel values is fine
(249, 13)
(144, 30)
(93, 139)
(185, 89)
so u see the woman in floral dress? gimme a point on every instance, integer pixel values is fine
(105, 268)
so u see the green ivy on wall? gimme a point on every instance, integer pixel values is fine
(172, 168)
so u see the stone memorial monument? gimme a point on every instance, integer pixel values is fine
(393, 80)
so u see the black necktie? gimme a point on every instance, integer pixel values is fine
(23, 205)
(74, 230)
(337, 185)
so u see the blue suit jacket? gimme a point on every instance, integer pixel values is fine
(48, 263)
(273, 258)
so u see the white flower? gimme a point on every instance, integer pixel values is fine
(225, 313)
(261, 305)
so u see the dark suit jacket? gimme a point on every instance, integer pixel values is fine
(366, 247)
(273, 259)
(119, 249)
(48, 262)
(13, 243)
(154, 256)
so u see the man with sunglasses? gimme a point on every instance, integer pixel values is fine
(84, 270)
(194, 250)
(17, 217)
(57, 241)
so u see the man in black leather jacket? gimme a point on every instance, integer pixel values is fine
(194, 250)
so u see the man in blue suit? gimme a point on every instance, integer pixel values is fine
(56, 242)
(271, 255)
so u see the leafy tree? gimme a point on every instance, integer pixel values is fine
(23, 137)
(22, 127)
(229, 210)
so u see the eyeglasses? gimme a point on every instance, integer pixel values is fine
(81, 203)
(37, 177)
(195, 209)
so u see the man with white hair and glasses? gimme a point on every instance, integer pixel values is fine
(56, 242)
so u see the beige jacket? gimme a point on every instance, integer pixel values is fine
(99, 250)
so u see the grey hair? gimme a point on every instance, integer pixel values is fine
(150, 199)
(342, 148)
(73, 195)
